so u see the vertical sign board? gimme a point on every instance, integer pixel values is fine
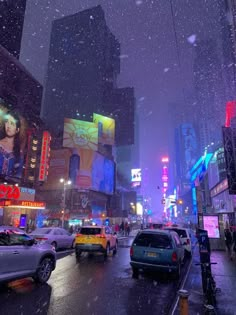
(229, 139)
(45, 151)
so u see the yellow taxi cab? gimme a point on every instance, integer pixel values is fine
(96, 239)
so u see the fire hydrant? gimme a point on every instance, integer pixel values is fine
(183, 301)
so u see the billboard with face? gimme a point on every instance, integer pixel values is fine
(106, 129)
(13, 138)
(80, 134)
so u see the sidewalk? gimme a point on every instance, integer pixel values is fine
(225, 276)
(121, 236)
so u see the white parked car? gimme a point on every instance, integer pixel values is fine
(21, 257)
(57, 237)
(185, 237)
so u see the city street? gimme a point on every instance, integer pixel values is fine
(92, 286)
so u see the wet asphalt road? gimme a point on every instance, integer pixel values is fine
(92, 286)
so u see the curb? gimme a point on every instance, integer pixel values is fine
(175, 304)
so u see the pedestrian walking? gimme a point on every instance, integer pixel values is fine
(128, 230)
(229, 242)
(234, 241)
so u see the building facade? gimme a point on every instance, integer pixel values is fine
(12, 14)
(83, 65)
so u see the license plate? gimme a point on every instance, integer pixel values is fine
(151, 254)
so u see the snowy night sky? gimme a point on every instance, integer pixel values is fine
(149, 59)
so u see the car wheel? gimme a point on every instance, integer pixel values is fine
(54, 245)
(44, 271)
(187, 254)
(107, 251)
(78, 253)
(135, 272)
(115, 249)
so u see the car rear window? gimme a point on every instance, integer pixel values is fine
(42, 231)
(153, 240)
(90, 231)
(181, 233)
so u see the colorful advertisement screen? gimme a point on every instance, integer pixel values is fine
(80, 134)
(106, 129)
(103, 174)
(13, 138)
(136, 175)
(211, 225)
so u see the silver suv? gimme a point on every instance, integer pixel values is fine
(22, 257)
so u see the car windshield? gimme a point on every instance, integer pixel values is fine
(153, 240)
(90, 231)
(42, 231)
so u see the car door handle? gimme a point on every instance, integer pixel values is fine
(15, 252)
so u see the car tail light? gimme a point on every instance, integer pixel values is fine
(131, 251)
(101, 235)
(188, 241)
(41, 238)
(78, 234)
(174, 257)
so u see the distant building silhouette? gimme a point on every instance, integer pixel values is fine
(12, 14)
(84, 61)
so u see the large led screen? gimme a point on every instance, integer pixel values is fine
(103, 172)
(211, 224)
(106, 129)
(13, 138)
(136, 175)
(80, 134)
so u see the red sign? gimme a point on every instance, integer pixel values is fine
(9, 192)
(45, 151)
(30, 204)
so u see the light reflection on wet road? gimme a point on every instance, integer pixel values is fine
(91, 286)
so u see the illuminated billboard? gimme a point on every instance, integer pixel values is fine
(136, 175)
(211, 224)
(80, 134)
(103, 174)
(13, 138)
(106, 129)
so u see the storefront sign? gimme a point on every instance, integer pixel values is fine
(19, 203)
(9, 192)
(219, 188)
(16, 193)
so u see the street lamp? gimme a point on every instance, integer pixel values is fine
(65, 183)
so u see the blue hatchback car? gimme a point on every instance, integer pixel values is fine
(157, 250)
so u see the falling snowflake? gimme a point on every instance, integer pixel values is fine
(192, 39)
(91, 17)
(166, 69)
(123, 56)
(139, 2)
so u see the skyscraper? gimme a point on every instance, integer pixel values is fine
(83, 66)
(12, 14)
(210, 92)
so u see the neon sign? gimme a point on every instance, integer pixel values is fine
(45, 151)
(9, 192)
